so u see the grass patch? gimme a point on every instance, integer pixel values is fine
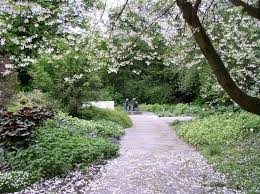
(170, 110)
(166, 110)
(116, 116)
(230, 141)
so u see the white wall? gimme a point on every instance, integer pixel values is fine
(102, 104)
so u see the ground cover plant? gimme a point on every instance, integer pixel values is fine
(230, 141)
(13, 181)
(117, 116)
(185, 109)
(16, 128)
(171, 110)
(32, 99)
(60, 145)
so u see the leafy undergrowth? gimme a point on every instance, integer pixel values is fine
(166, 110)
(231, 141)
(62, 144)
(14, 181)
(32, 99)
(16, 128)
(116, 116)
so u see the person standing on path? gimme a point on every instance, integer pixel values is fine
(133, 103)
(126, 104)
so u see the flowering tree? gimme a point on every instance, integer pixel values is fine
(233, 35)
(247, 102)
(224, 37)
(29, 29)
(141, 62)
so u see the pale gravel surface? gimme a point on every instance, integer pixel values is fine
(152, 160)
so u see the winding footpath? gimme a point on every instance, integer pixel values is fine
(152, 160)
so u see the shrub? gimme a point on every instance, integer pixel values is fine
(186, 109)
(16, 128)
(32, 99)
(119, 117)
(72, 79)
(90, 128)
(63, 144)
(59, 151)
(172, 110)
(208, 131)
(231, 141)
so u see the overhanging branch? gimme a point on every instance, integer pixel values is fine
(249, 9)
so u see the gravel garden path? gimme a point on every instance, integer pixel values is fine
(152, 160)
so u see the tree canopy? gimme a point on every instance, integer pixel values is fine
(164, 52)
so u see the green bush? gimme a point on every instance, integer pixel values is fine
(119, 117)
(230, 141)
(32, 99)
(59, 151)
(72, 79)
(94, 128)
(16, 129)
(186, 109)
(63, 144)
(14, 181)
(172, 110)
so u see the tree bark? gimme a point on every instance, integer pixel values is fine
(249, 9)
(246, 102)
(7, 82)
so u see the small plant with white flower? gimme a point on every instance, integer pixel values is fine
(14, 181)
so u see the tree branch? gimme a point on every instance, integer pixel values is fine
(197, 5)
(122, 10)
(248, 103)
(118, 16)
(102, 14)
(249, 9)
(153, 22)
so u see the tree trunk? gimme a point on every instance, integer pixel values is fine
(246, 102)
(7, 82)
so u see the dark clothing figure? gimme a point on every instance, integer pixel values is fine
(131, 106)
(135, 106)
(133, 102)
(126, 105)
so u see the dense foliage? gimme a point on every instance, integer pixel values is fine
(195, 110)
(118, 117)
(144, 49)
(232, 145)
(227, 28)
(14, 181)
(32, 99)
(71, 80)
(62, 144)
(16, 129)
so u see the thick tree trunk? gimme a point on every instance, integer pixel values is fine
(7, 82)
(248, 103)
